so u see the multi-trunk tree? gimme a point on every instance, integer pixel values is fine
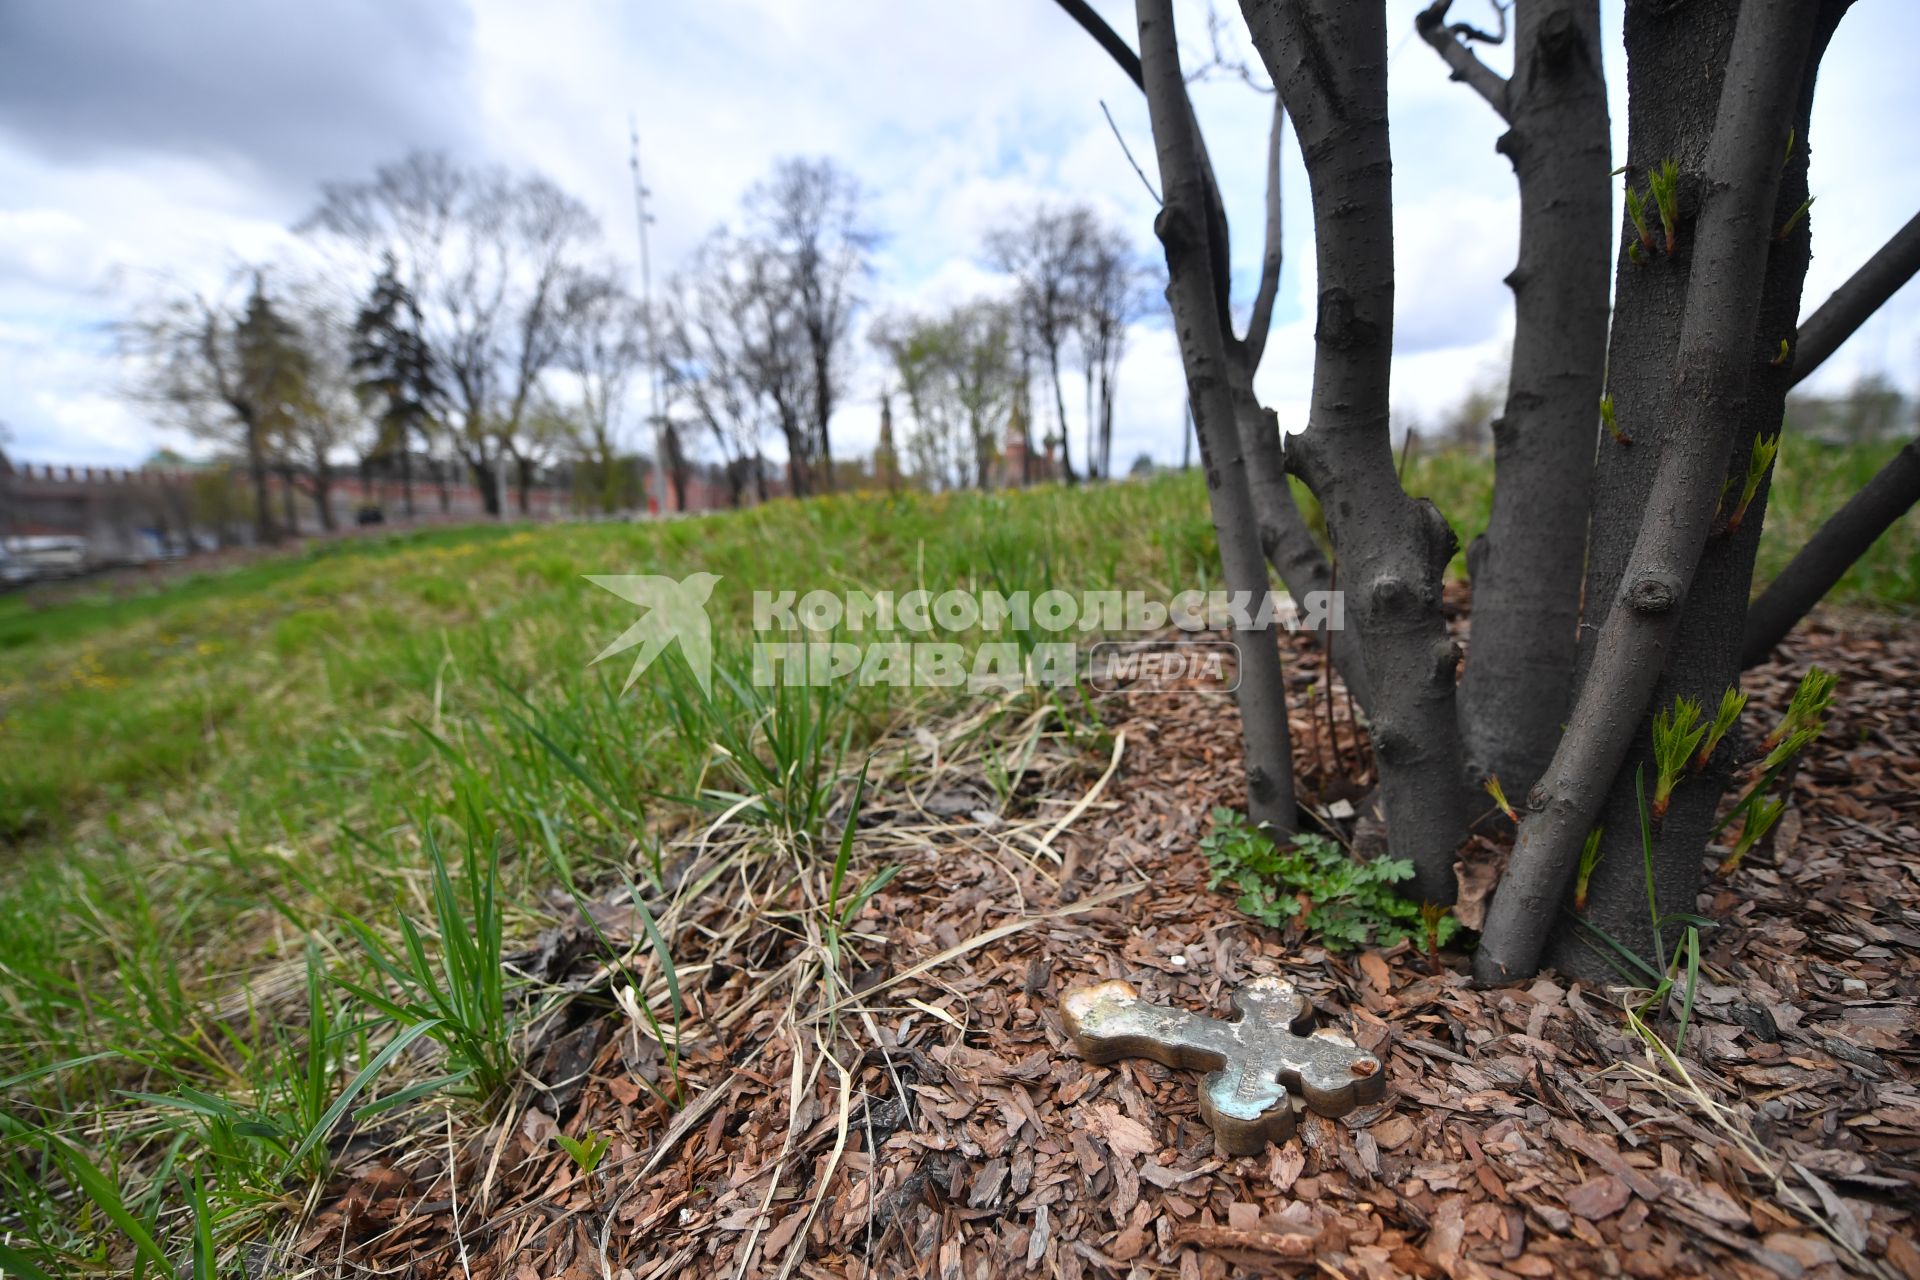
(1631, 457)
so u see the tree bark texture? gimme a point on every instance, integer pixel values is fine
(1329, 59)
(1528, 566)
(1686, 396)
(1704, 658)
(1182, 228)
(1285, 539)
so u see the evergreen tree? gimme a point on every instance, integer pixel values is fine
(273, 366)
(393, 362)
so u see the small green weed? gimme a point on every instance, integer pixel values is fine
(1314, 882)
(461, 999)
(586, 1152)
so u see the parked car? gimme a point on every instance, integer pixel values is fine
(31, 558)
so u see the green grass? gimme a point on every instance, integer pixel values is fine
(260, 827)
(368, 762)
(1810, 482)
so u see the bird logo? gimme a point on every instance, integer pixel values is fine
(675, 611)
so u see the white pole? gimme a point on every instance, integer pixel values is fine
(640, 194)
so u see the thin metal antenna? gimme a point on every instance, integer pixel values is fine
(640, 194)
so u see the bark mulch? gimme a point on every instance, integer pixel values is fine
(925, 1118)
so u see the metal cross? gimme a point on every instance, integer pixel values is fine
(1252, 1063)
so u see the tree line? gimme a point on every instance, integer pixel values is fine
(450, 323)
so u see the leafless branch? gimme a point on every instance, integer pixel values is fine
(1129, 153)
(1448, 40)
(1856, 301)
(1261, 319)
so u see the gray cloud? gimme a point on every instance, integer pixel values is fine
(287, 94)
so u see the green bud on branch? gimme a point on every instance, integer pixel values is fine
(1589, 859)
(1676, 736)
(1762, 813)
(1810, 702)
(1637, 214)
(1500, 798)
(1664, 182)
(1793, 219)
(1732, 703)
(1765, 448)
(1613, 427)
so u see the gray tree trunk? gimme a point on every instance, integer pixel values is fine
(1285, 539)
(1329, 59)
(1183, 230)
(264, 531)
(1527, 567)
(1686, 398)
(1287, 542)
(1704, 658)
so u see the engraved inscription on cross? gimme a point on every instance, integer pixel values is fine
(1252, 1062)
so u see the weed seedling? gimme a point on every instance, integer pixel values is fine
(585, 1152)
(461, 996)
(843, 907)
(1311, 880)
(1434, 919)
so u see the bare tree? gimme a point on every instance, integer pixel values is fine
(710, 362)
(956, 371)
(228, 367)
(1695, 365)
(1045, 252)
(807, 222)
(1110, 301)
(600, 345)
(330, 414)
(984, 379)
(541, 233)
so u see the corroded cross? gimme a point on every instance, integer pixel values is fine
(1251, 1063)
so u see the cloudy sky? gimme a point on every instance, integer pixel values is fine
(143, 140)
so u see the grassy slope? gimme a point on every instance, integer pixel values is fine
(197, 780)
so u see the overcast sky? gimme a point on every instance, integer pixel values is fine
(179, 138)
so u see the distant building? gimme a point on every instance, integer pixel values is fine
(1014, 467)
